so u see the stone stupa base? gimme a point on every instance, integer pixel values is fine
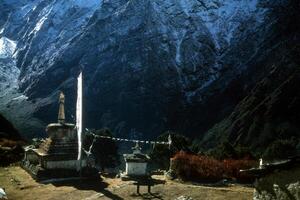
(41, 174)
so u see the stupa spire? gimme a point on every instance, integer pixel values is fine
(61, 111)
(137, 149)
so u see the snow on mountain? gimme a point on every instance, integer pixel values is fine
(224, 16)
(9, 72)
(7, 47)
(136, 55)
(88, 4)
(13, 104)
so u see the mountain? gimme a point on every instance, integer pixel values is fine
(13, 103)
(270, 111)
(148, 66)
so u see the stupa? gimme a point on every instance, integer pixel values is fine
(136, 163)
(57, 155)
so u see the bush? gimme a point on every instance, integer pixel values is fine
(161, 154)
(105, 151)
(206, 169)
(232, 169)
(194, 167)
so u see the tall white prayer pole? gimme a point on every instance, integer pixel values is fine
(79, 117)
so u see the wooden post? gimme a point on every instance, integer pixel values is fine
(138, 188)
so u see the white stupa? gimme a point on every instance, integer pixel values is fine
(136, 163)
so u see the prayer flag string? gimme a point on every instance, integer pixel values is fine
(135, 141)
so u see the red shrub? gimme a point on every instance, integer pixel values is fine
(204, 168)
(232, 169)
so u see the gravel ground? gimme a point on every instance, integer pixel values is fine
(20, 186)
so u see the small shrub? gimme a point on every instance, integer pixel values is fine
(161, 154)
(105, 151)
(232, 169)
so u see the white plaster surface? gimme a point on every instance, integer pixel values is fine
(135, 168)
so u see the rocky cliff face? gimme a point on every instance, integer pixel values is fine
(270, 110)
(148, 65)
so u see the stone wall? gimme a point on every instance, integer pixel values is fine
(281, 185)
(65, 164)
(32, 157)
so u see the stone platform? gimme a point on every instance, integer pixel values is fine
(41, 174)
